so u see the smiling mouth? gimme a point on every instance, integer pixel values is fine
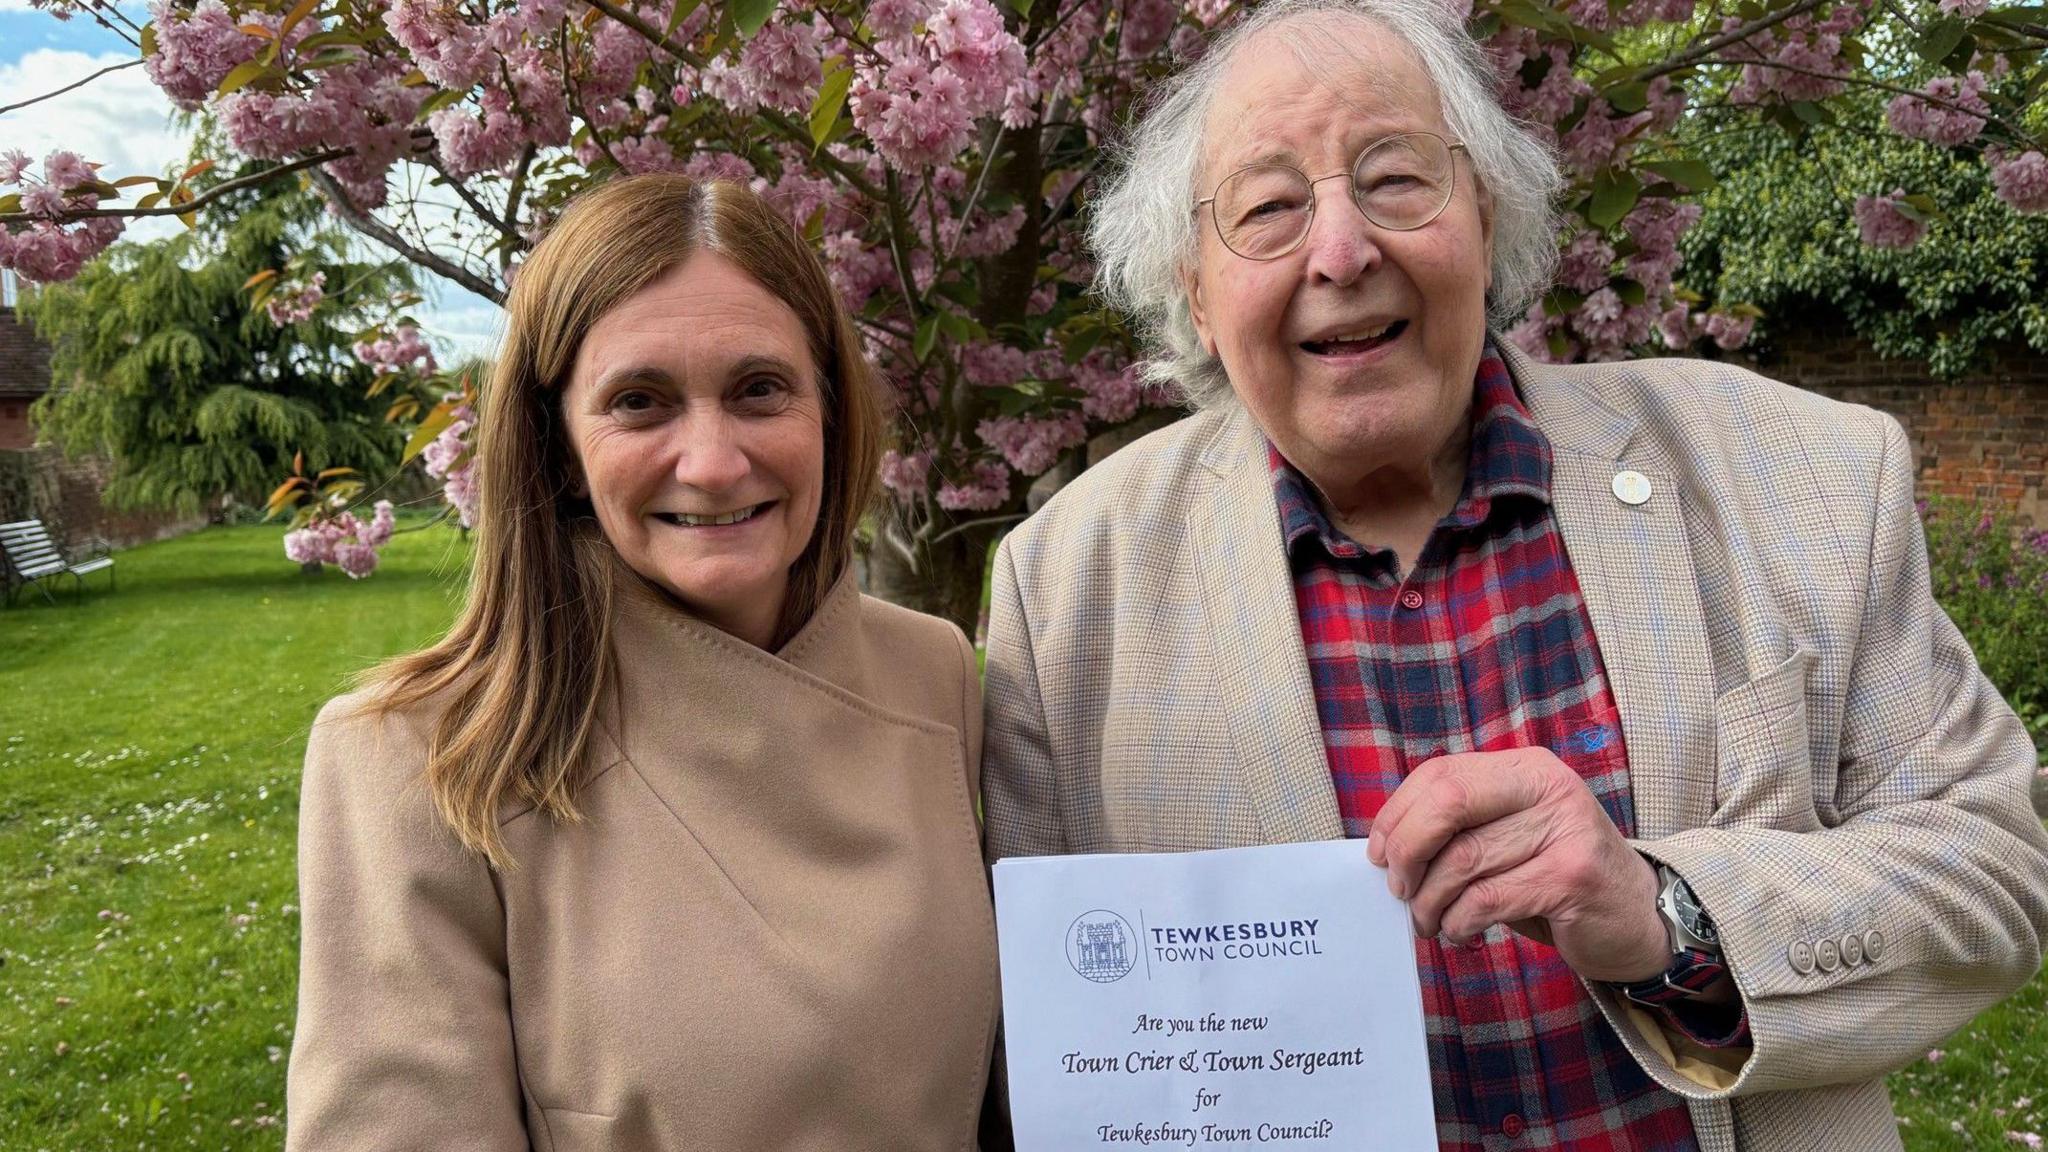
(1352, 343)
(692, 520)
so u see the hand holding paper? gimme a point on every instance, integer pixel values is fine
(1515, 837)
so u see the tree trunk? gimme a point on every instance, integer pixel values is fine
(946, 582)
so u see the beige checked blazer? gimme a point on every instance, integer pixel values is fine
(1810, 741)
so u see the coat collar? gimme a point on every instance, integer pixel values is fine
(1634, 568)
(650, 625)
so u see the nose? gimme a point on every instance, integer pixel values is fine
(1341, 243)
(709, 456)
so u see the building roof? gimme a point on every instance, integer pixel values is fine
(24, 360)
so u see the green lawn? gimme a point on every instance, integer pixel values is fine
(150, 742)
(149, 753)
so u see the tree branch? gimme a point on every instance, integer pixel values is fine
(470, 198)
(69, 87)
(1693, 55)
(1988, 116)
(197, 202)
(383, 233)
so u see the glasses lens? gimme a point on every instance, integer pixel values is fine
(1403, 181)
(1262, 211)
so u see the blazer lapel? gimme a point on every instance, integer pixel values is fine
(1635, 569)
(1254, 639)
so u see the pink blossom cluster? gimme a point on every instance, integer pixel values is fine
(48, 249)
(918, 98)
(987, 488)
(365, 104)
(295, 304)
(403, 349)
(2021, 181)
(1112, 389)
(1958, 118)
(1032, 444)
(1883, 225)
(447, 459)
(196, 48)
(339, 538)
(1967, 9)
(903, 474)
(1800, 59)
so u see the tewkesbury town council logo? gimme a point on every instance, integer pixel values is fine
(1102, 946)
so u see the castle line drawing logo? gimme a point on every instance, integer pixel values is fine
(1102, 946)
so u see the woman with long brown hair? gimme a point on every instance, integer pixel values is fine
(671, 841)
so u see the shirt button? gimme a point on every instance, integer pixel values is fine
(1411, 599)
(1512, 1126)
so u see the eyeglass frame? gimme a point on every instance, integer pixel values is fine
(1450, 148)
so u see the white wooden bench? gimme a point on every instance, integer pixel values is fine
(32, 558)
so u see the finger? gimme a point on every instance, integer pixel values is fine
(1474, 853)
(1517, 894)
(1422, 780)
(1446, 802)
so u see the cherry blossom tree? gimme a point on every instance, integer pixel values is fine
(939, 154)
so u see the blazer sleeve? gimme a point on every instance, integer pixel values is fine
(404, 1035)
(1937, 866)
(1019, 780)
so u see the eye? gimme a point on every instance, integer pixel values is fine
(632, 403)
(762, 391)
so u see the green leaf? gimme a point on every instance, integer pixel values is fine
(1614, 193)
(927, 335)
(1628, 99)
(438, 101)
(750, 15)
(1692, 175)
(1939, 38)
(149, 39)
(831, 99)
(956, 327)
(240, 76)
(1813, 113)
(299, 12)
(1631, 292)
(430, 429)
(681, 13)
(10, 202)
(1020, 7)
(1560, 301)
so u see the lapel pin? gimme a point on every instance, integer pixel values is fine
(1631, 487)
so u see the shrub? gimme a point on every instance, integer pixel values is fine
(1992, 579)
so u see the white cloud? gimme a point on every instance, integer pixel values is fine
(120, 120)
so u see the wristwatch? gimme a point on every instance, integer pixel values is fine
(1695, 946)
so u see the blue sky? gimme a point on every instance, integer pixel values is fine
(122, 121)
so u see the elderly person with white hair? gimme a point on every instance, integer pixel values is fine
(1628, 673)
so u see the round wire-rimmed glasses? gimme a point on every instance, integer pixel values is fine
(1400, 183)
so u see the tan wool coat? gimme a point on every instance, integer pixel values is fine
(771, 929)
(1811, 744)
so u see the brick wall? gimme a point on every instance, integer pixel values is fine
(1983, 438)
(15, 430)
(42, 484)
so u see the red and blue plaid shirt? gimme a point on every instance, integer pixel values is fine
(1484, 645)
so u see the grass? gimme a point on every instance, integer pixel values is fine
(150, 742)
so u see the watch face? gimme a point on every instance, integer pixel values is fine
(1691, 915)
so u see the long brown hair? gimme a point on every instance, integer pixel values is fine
(527, 667)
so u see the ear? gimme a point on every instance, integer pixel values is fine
(1191, 287)
(1486, 227)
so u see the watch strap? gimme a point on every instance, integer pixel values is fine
(1689, 975)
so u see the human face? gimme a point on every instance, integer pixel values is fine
(1355, 351)
(697, 419)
